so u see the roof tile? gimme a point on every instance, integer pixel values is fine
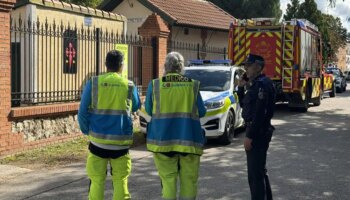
(199, 13)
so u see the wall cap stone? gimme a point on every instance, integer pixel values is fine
(58, 5)
(36, 111)
(6, 5)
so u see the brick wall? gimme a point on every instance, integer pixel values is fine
(42, 111)
(6, 139)
(162, 52)
(14, 142)
(11, 142)
(147, 66)
(154, 28)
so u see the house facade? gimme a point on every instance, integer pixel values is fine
(190, 21)
(343, 57)
(347, 57)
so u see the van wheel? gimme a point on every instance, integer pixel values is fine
(332, 93)
(229, 134)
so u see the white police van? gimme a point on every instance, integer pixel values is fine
(218, 84)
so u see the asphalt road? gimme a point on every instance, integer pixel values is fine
(309, 158)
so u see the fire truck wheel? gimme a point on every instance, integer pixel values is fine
(307, 100)
(304, 108)
(332, 93)
(317, 101)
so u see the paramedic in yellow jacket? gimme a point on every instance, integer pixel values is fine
(174, 133)
(105, 117)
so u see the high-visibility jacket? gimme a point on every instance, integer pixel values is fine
(110, 110)
(175, 124)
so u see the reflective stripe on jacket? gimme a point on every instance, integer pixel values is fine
(110, 109)
(175, 124)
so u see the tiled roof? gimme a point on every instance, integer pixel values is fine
(198, 13)
(192, 13)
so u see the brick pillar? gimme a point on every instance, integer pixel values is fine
(154, 28)
(5, 75)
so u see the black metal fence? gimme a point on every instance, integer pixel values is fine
(51, 62)
(196, 51)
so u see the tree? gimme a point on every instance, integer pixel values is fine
(232, 7)
(246, 9)
(332, 2)
(87, 3)
(335, 32)
(308, 10)
(292, 10)
(334, 35)
(262, 8)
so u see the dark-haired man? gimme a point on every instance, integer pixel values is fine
(105, 116)
(258, 107)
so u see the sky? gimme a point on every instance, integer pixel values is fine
(341, 10)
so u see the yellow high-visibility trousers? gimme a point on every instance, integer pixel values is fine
(96, 168)
(170, 168)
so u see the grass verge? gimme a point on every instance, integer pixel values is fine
(73, 151)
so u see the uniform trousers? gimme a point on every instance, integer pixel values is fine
(173, 166)
(258, 179)
(96, 167)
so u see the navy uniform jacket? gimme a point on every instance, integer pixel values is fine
(258, 106)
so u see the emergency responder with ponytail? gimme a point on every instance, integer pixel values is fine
(104, 115)
(174, 133)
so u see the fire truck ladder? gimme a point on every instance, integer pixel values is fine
(288, 56)
(239, 42)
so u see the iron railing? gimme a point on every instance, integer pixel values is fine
(51, 62)
(192, 51)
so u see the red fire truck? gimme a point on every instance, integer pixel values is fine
(293, 57)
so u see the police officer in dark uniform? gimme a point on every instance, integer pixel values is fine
(257, 98)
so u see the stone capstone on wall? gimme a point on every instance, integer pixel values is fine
(36, 129)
